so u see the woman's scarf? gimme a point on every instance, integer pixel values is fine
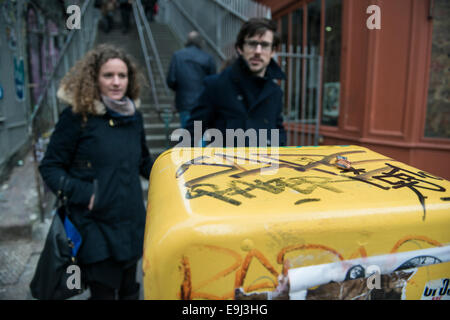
(124, 106)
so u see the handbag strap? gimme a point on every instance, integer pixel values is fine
(61, 199)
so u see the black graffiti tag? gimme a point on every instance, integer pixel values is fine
(236, 171)
(385, 178)
(398, 178)
(302, 185)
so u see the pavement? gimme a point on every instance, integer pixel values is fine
(23, 233)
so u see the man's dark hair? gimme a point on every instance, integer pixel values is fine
(257, 26)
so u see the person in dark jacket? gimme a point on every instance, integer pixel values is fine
(95, 156)
(188, 68)
(149, 8)
(125, 6)
(244, 96)
(107, 9)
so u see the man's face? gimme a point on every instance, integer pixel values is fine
(257, 51)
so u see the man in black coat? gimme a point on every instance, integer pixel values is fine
(188, 68)
(243, 102)
(125, 7)
(149, 8)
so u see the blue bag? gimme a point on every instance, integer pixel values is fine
(73, 236)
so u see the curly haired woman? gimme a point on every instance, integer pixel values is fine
(94, 159)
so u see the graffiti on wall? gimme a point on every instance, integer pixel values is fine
(9, 15)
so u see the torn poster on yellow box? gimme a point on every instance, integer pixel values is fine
(288, 223)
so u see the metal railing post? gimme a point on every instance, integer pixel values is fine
(318, 104)
(152, 42)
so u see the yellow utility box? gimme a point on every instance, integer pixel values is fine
(331, 222)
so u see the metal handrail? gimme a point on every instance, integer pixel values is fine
(165, 114)
(152, 43)
(231, 10)
(137, 19)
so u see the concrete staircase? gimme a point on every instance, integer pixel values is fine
(157, 131)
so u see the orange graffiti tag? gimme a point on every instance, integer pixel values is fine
(225, 272)
(411, 238)
(361, 251)
(186, 286)
(242, 273)
(280, 257)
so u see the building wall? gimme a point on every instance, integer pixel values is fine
(13, 86)
(385, 78)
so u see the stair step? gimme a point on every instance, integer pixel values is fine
(160, 128)
(161, 105)
(172, 125)
(160, 143)
(149, 100)
(155, 137)
(154, 119)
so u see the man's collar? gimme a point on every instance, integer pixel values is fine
(193, 45)
(274, 71)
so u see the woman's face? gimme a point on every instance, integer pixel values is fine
(113, 79)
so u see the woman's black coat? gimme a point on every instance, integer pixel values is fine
(103, 156)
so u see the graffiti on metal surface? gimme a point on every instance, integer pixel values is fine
(234, 170)
(397, 178)
(303, 185)
(344, 279)
(387, 177)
